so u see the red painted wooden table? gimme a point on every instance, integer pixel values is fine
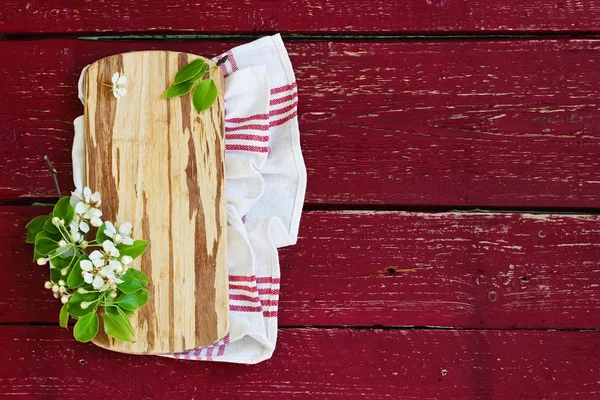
(415, 116)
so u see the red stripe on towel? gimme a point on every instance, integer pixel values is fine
(243, 136)
(241, 147)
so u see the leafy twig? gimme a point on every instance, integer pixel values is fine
(53, 172)
(191, 79)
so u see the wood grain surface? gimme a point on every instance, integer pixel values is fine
(446, 123)
(462, 270)
(160, 165)
(319, 363)
(300, 16)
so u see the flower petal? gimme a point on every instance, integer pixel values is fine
(127, 240)
(95, 221)
(117, 280)
(98, 282)
(107, 245)
(115, 77)
(81, 208)
(107, 272)
(125, 228)
(87, 277)
(87, 193)
(114, 252)
(86, 265)
(98, 261)
(84, 227)
(122, 80)
(109, 228)
(96, 198)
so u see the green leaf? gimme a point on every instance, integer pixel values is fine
(117, 325)
(62, 262)
(75, 279)
(34, 227)
(135, 250)
(129, 285)
(100, 235)
(36, 204)
(204, 95)
(74, 306)
(178, 90)
(124, 315)
(128, 312)
(86, 327)
(139, 275)
(64, 210)
(133, 301)
(190, 71)
(200, 73)
(45, 242)
(55, 275)
(49, 226)
(67, 251)
(64, 317)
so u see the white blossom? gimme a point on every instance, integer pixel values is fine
(119, 85)
(101, 267)
(76, 234)
(87, 209)
(121, 235)
(91, 274)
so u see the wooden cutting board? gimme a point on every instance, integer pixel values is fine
(160, 165)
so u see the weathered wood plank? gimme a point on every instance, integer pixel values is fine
(299, 16)
(39, 362)
(395, 269)
(477, 123)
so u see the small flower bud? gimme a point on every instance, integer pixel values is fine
(84, 244)
(126, 260)
(62, 243)
(62, 289)
(113, 295)
(61, 222)
(85, 304)
(42, 261)
(64, 299)
(55, 288)
(113, 286)
(55, 221)
(48, 285)
(110, 281)
(56, 295)
(61, 283)
(81, 290)
(64, 271)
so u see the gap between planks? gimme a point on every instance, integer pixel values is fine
(475, 36)
(369, 328)
(383, 208)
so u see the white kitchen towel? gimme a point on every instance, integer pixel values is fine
(266, 183)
